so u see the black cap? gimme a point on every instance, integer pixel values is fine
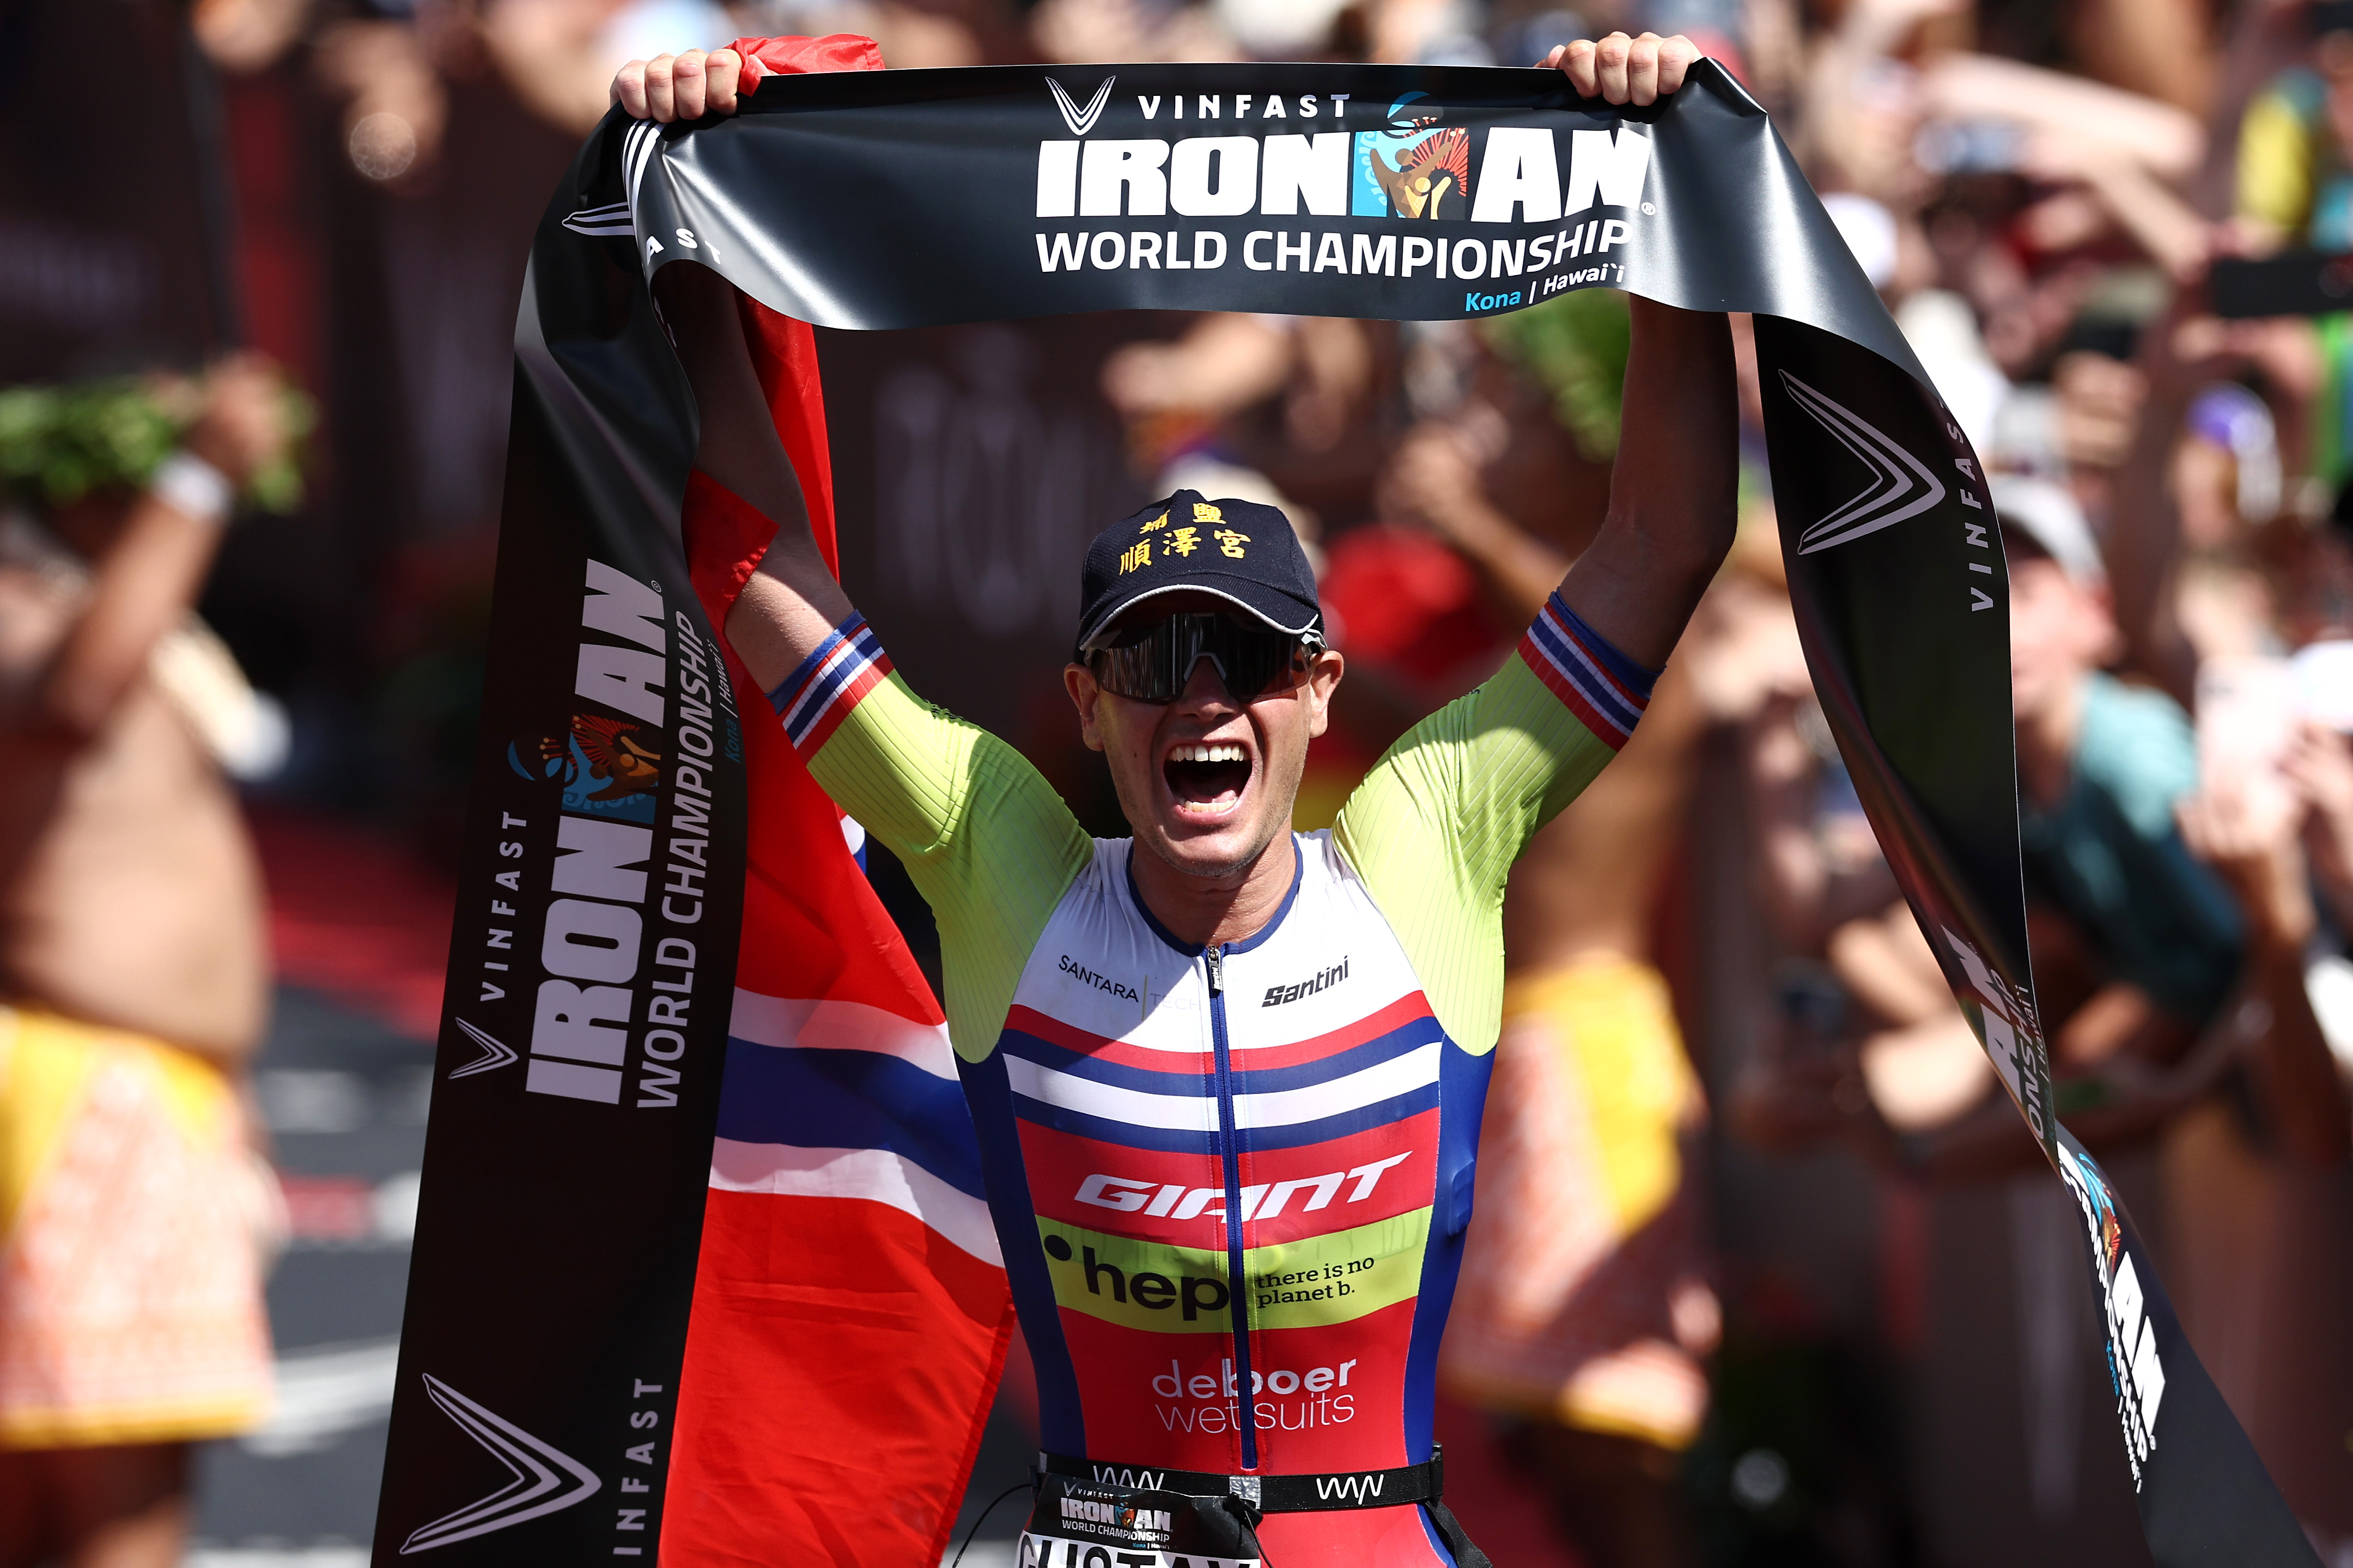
(1240, 551)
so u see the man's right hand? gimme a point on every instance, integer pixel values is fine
(679, 87)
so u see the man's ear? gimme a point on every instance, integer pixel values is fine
(1322, 682)
(1079, 682)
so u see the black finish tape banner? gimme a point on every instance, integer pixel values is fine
(555, 1246)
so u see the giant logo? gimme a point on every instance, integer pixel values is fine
(1260, 1201)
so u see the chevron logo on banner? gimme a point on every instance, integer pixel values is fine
(1901, 485)
(1080, 121)
(546, 1479)
(495, 1053)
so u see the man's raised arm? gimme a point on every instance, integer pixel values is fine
(1674, 490)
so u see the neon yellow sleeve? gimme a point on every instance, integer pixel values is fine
(985, 839)
(1435, 827)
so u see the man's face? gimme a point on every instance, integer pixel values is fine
(2059, 631)
(1206, 781)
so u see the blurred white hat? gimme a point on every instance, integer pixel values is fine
(2049, 516)
(1942, 330)
(1869, 230)
(2322, 674)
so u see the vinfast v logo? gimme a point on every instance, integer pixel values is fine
(1901, 485)
(545, 1481)
(638, 146)
(611, 221)
(495, 1053)
(1080, 121)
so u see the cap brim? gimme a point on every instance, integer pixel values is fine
(1268, 605)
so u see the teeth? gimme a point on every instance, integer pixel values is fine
(1219, 754)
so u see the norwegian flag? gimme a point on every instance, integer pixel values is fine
(851, 1309)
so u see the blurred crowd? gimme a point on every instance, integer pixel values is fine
(1768, 1267)
(1700, 1352)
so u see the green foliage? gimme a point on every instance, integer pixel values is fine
(61, 443)
(277, 485)
(1574, 345)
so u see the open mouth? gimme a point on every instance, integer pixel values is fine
(1206, 777)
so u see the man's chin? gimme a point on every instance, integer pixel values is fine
(1208, 851)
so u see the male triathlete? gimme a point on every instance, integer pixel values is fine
(1228, 1078)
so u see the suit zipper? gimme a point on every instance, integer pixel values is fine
(1237, 1295)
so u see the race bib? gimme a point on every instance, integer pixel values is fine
(1084, 1524)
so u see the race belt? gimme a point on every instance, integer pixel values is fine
(1310, 1493)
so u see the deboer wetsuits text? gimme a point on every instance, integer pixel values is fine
(1229, 1184)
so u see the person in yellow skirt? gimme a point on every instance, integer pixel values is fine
(133, 988)
(1585, 1313)
(1586, 1305)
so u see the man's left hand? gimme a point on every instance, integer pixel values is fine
(1620, 70)
(680, 86)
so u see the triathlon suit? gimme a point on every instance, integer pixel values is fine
(1298, 1110)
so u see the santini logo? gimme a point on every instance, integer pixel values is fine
(545, 1481)
(1080, 121)
(494, 1053)
(1901, 485)
(1276, 995)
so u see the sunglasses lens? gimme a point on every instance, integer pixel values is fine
(1256, 665)
(1153, 663)
(1139, 671)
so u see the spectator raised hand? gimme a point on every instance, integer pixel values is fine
(2319, 763)
(2249, 836)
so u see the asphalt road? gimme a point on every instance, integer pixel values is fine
(345, 1097)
